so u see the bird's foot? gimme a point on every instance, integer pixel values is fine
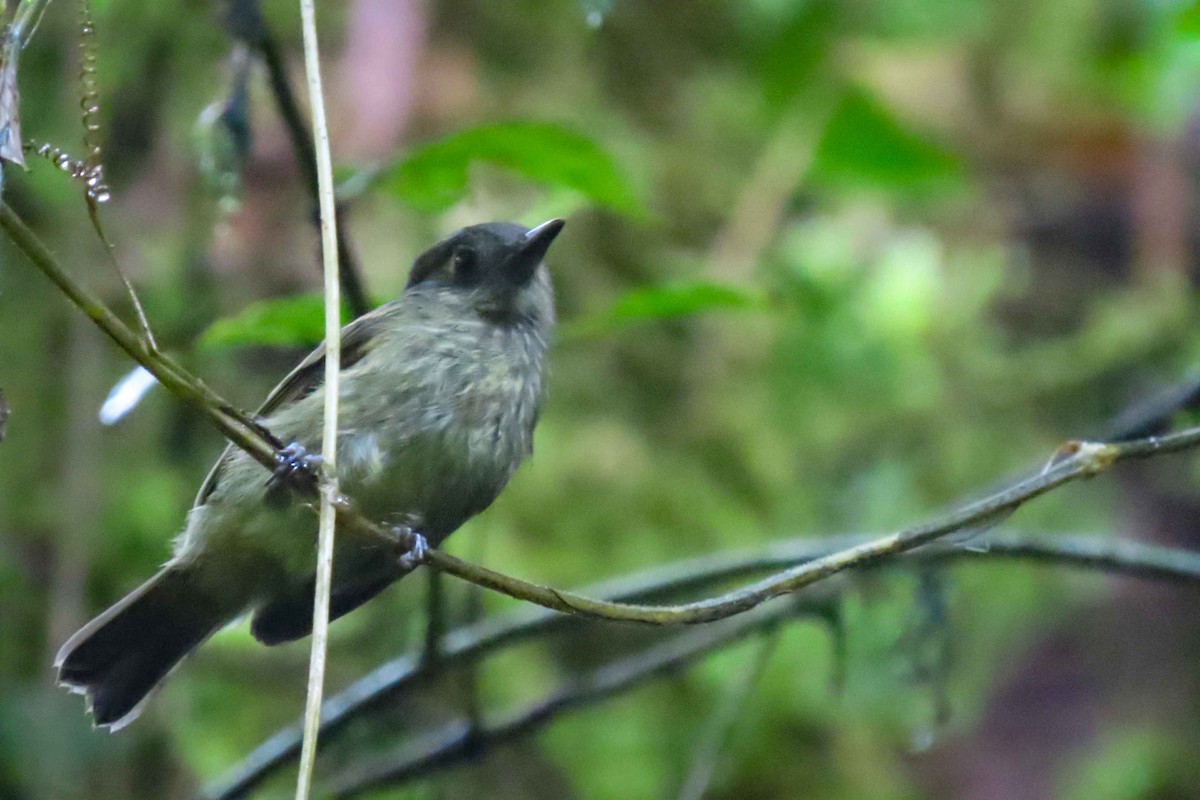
(414, 544)
(295, 468)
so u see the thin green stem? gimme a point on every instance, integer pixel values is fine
(724, 717)
(333, 360)
(234, 424)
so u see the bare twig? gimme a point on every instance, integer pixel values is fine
(91, 169)
(470, 683)
(235, 425)
(720, 723)
(470, 644)
(333, 360)
(246, 23)
(782, 166)
(460, 741)
(82, 459)
(435, 616)
(1074, 461)
(1153, 415)
(110, 251)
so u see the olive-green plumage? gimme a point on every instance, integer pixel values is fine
(440, 392)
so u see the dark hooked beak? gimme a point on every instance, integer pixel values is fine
(531, 250)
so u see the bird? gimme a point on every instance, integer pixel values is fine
(440, 392)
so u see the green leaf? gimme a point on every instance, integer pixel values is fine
(796, 50)
(865, 144)
(434, 177)
(296, 321)
(1187, 21)
(666, 302)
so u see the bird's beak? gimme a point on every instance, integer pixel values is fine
(531, 250)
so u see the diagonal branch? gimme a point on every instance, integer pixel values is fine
(471, 644)
(1072, 462)
(245, 22)
(238, 427)
(718, 727)
(1075, 461)
(1154, 414)
(235, 425)
(459, 741)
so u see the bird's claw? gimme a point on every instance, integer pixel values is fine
(295, 468)
(415, 545)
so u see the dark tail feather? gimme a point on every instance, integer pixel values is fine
(119, 657)
(289, 616)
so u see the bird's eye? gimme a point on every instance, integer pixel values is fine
(464, 262)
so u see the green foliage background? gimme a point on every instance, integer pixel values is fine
(829, 268)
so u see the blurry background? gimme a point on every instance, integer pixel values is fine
(830, 267)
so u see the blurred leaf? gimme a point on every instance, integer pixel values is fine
(297, 321)
(1127, 764)
(1187, 21)
(865, 144)
(666, 302)
(796, 50)
(434, 177)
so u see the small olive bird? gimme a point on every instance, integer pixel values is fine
(440, 392)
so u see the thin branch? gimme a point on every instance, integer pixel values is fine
(470, 644)
(459, 741)
(246, 433)
(435, 616)
(470, 682)
(720, 723)
(97, 191)
(781, 167)
(246, 22)
(236, 426)
(1153, 415)
(333, 360)
(1074, 461)
(136, 301)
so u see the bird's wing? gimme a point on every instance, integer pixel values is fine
(357, 340)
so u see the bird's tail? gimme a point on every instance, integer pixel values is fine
(121, 655)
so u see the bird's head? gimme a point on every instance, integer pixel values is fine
(498, 264)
